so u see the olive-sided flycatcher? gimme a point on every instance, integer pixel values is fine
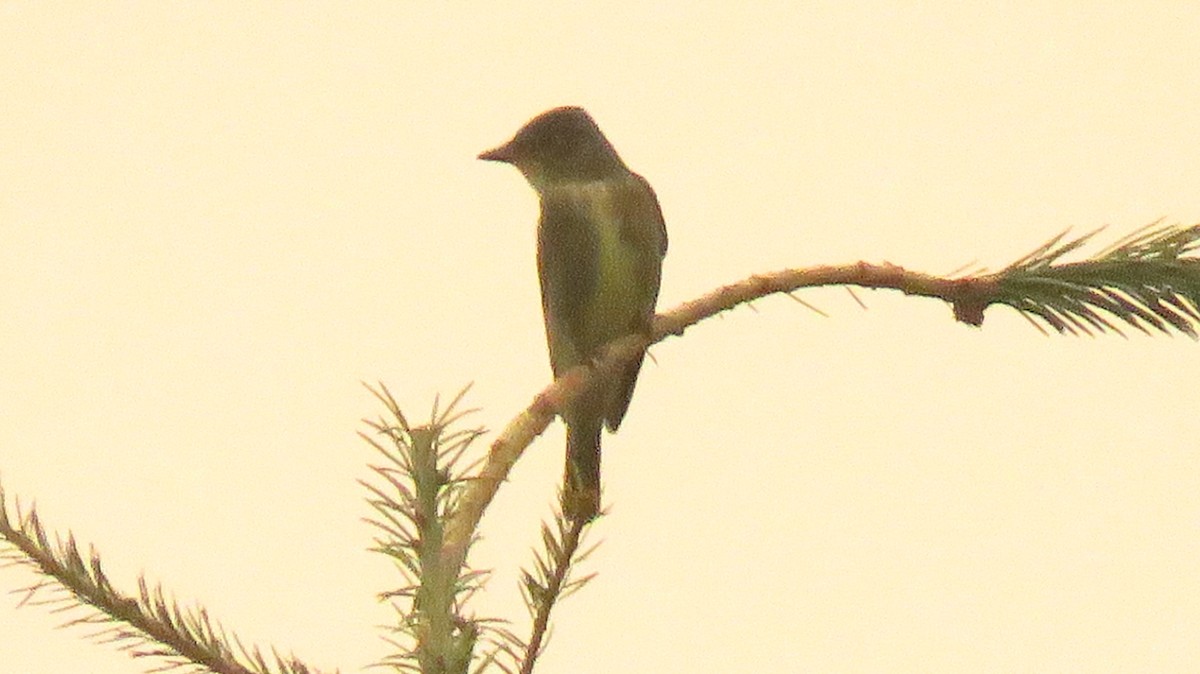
(601, 242)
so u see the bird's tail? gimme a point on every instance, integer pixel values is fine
(581, 484)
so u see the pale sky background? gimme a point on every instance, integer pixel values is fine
(218, 218)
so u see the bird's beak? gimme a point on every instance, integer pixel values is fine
(504, 153)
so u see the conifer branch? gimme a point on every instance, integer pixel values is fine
(550, 581)
(428, 510)
(152, 625)
(1150, 280)
(1147, 280)
(417, 490)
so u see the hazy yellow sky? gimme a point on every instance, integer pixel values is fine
(218, 218)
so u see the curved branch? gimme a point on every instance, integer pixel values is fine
(1147, 279)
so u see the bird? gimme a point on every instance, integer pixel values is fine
(601, 240)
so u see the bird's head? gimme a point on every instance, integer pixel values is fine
(559, 144)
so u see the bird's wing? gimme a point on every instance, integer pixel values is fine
(645, 232)
(659, 233)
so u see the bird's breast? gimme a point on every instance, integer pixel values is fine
(616, 304)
